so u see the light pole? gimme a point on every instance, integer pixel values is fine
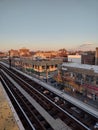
(46, 73)
(9, 60)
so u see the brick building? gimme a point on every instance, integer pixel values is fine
(96, 57)
(82, 78)
(88, 58)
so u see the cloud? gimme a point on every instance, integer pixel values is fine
(86, 44)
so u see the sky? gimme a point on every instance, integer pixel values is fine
(48, 24)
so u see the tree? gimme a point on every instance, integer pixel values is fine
(63, 52)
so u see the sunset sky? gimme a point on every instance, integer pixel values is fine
(48, 24)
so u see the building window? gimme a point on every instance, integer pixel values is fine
(97, 80)
(56, 65)
(47, 66)
(51, 66)
(43, 67)
(89, 78)
(36, 67)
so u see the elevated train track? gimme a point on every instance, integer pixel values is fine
(30, 117)
(67, 112)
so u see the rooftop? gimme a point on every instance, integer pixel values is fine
(82, 66)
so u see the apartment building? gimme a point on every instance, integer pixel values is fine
(82, 78)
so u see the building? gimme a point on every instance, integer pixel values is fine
(13, 53)
(62, 53)
(37, 66)
(2, 54)
(24, 52)
(88, 58)
(81, 78)
(47, 54)
(74, 58)
(96, 57)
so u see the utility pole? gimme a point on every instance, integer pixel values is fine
(9, 60)
(46, 73)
